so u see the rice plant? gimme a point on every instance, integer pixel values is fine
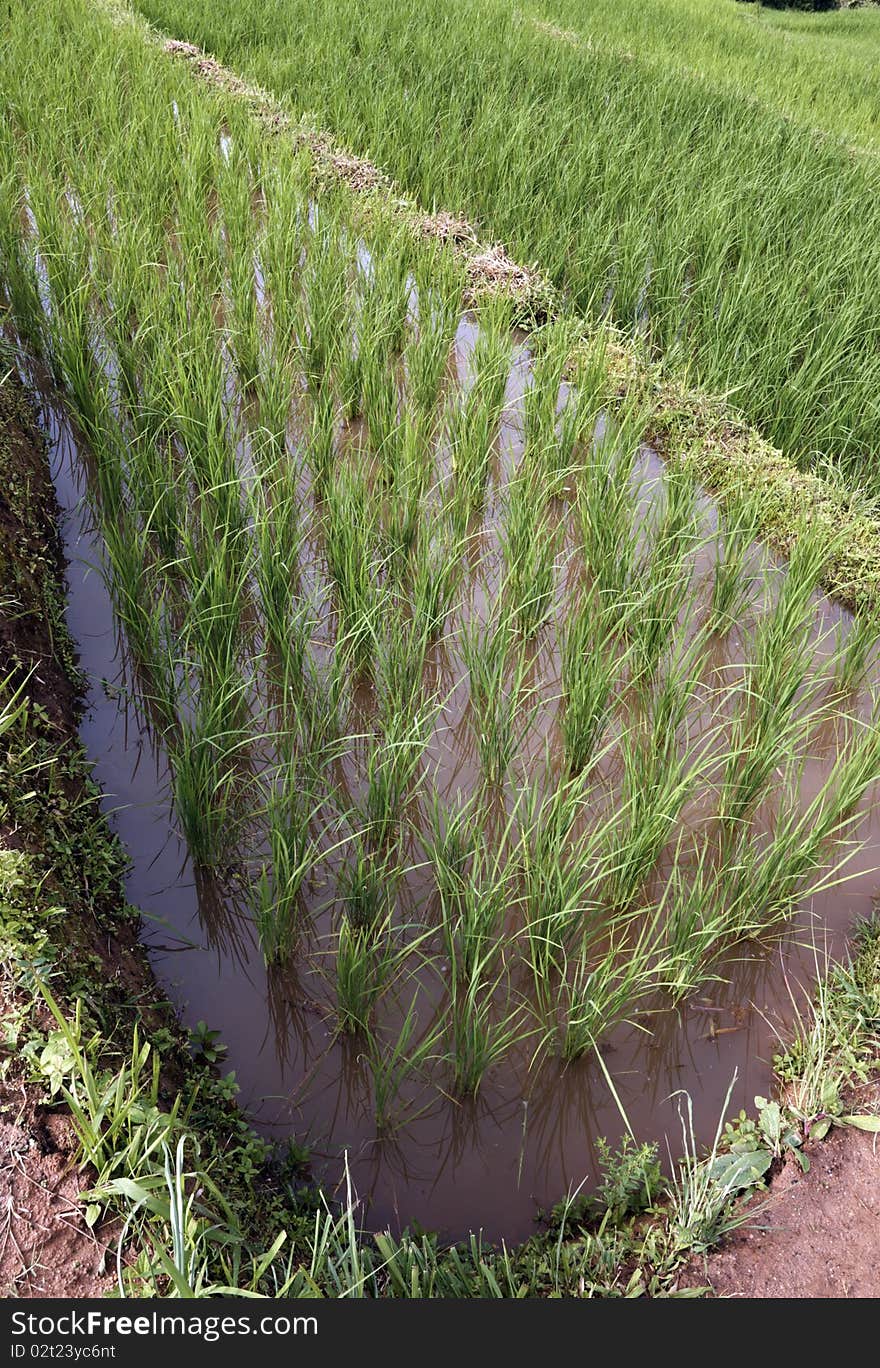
(479, 1034)
(501, 697)
(528, 545)
(607, 500)
(729, 197)
(364, 959)
(292, 808)
(351, 533)
(474, 422)
(731, 582)
(592, 662)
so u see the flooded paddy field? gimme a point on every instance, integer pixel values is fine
(454, 1161)
(484, 788)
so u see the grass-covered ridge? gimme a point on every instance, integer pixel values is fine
(739, 245)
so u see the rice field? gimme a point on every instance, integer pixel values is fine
(491, 743)
(723, 221)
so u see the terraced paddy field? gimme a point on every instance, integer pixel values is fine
(718, 207)
(493, 791)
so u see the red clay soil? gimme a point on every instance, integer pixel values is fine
(814, 1234)
(46, 1249)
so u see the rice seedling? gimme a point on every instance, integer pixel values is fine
(591, 665)
(474, 422)
(365, 962)
(381, 401)
(235, 194)
(282, 247)
(795, 862)
(386, 289)
(392, 765)
(439, 295)
(854, 653)
(474, 883)
(560, 844)
(552, 350)
(663, 578)
(501, 698)
(478, 1034)
(694, 923)
(367, 884)
(659, 774)
(771, 715)
(206, 774)
(586, 400)
(731, 582)
(601, 988)
(351, 538)
(323, 302)
(321, 439)
(294, 847)
(286, 616)
(606, 505)
(528, 545)
(391, 1067)
(435, 577)
(408, 467)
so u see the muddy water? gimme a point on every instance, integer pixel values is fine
(529, 1138)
